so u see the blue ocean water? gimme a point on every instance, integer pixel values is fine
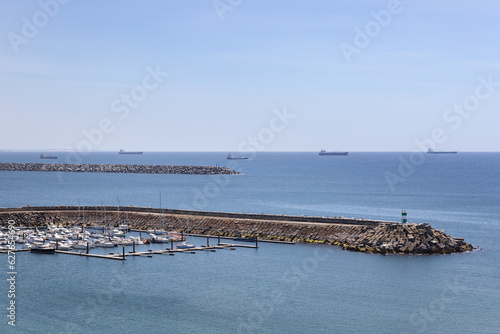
(276, 288)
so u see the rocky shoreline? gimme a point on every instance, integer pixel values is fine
(365, 236)
(119, 168)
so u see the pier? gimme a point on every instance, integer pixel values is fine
(360, 235)
(99, 256)
(188, 250)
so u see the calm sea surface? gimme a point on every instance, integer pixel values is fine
(276, 288)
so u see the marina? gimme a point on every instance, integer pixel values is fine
(78, 241)
(126, 252)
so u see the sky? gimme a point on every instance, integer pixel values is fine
(241, 75)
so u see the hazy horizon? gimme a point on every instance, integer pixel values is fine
(229, 151)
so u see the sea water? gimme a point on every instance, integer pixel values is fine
(276, 288)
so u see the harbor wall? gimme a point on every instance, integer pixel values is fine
(119, 168)
(350, 234)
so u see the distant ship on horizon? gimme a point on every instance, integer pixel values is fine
(324, 152)
(45, 156)
(233, 157)
(129, 152)
(431, 151)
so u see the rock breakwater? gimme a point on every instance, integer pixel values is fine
(361, 236)
(120, 168)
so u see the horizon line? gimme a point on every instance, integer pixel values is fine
(226, 151)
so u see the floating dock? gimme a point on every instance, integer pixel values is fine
(149, 253)
(99, 256)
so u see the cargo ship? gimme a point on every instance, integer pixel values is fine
(129, 152)
(323, 152)
(233, 157)
(431, 151)
(45, 156)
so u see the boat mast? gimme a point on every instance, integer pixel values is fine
(83, 215)
(78, 213)
(119, 218)
(161, 213)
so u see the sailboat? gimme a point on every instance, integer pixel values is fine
(185, 244)
(158, 236)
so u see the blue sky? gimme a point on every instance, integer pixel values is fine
(227, 77)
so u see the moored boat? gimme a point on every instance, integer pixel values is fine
(158, 239)
(124, 241)
(64, 246)
(83, 245)
(157, 232)
(184, 245)
(175, 237)
(43, 249)
(102, 243)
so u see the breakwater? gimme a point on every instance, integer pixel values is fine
(117, 168)
(351, 234)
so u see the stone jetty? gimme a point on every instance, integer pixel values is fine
(358, 235)
(120, 168)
